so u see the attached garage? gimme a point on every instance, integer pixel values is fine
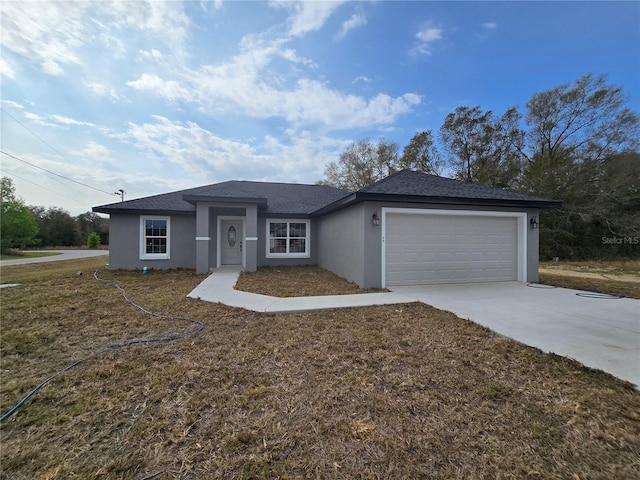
(427, 247)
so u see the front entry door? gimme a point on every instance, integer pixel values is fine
(231, 236)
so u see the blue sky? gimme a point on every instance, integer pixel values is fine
(158, 96)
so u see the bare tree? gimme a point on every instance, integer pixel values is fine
(421, 154)
(361, 164)
(483, 148)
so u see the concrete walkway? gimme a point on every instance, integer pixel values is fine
(64, 255)
(599, 332)
(218, 287)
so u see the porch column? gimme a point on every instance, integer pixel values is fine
(251, 238)
(203, 238)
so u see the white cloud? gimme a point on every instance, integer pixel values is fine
(52, 34)
(165, 20)
(313, 102)
(7, 69)
(102, 90)
(47, 33)
(489, 25)
(200, 153)
(168, 89)
(204, 4)
(426, 37)
(71, 121)
(362, 78)
(39, 120)
(95, 154)
(292, 56)
(308, 102)
(306, 16)
(13, 104)
(356, 20)
(246, 85)
(299, 156)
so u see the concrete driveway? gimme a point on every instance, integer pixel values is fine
(64, 255)
(599, 332)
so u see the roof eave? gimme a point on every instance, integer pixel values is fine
(141, 211)
(498, 202)
(193, 199)
(476, 202)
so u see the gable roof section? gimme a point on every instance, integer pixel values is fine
(419, 187)
(271, 198)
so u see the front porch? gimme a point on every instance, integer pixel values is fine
(226, 233)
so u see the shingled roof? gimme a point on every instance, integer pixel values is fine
(299, 199)
(412, 183)
(272, 198)
(409, 186)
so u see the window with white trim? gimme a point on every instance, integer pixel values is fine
(288, 238)
(154, 238)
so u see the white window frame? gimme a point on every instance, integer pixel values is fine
(143, 244)
(307, 238)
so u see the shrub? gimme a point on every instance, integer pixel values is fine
(93, 240)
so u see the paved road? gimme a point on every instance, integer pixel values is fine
(65, 255)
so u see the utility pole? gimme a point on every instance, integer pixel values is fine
(122, 193)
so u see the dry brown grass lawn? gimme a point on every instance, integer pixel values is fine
(382, 392)
(611, 277)
(297, 281)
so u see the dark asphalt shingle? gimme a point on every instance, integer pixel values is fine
(282, 198)
(411, 183)
(299, 199)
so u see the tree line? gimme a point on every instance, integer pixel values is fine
(578, 143)
(37, 226)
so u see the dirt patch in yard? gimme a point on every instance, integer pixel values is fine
(382, 392)
(620, 277)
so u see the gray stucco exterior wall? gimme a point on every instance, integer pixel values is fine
(345, 241)
(124, 243)
(533, 247)
(351, 246)
(341, 240)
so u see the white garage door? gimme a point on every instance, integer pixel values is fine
(432, 249)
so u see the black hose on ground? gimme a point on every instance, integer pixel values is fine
(199, 323)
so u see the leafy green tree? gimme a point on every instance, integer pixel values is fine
(483, 148)
(89, 222)
(18, 226)
(361, 164)
(57, 227)
(422, 154)
(582, 144)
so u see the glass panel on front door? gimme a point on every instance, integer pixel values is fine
(231, 236)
